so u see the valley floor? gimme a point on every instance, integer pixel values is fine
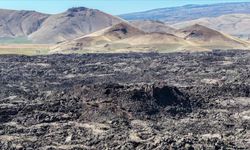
(24, 49)
(126, 101)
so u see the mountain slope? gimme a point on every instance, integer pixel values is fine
(233, 24)
(125, 37)
(111, 34)
(189, 12)
(19, 23)
(153, 26)
(207, 37)
(71, 24)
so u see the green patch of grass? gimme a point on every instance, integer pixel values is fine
(16, 40)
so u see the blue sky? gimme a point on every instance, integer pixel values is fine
(114, 7)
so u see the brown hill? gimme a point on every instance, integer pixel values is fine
(45, 28)
(111, 34)
(125, 37)
(119, 31)
(19, 23)
(233, 24)
(206, 37)
(71, 24)
(153, 26)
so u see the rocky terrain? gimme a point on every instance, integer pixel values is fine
(126, 101)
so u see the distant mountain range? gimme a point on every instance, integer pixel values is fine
(190, 27)
(189, 12)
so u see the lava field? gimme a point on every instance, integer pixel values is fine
(126, 101)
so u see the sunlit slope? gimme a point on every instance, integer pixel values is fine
(209, 38)
(125, 37)
(233, 24)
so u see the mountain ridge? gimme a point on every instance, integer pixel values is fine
(189, 12)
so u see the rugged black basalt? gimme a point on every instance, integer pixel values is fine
(169, 96)
(125, 101)
(131, 101)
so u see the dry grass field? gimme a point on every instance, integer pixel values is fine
(24, 49)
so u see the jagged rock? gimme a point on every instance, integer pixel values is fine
(125, 101)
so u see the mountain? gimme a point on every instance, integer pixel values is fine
(111, 34)
(44, 28)
(153, 26)
(233, 24)
(19, 23)
(71, 24)
(125, 37)
(210, 38)
(122, 37)
(189, 12)
(120, 31)
(80, 28)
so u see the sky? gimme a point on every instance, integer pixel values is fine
(115, 7)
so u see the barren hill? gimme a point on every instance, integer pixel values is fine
(121, 31)
(207, 37)
(122, 37)
(19, 23)
(233, 24)
(125, 37)
(71, 24)
(111, 34)
(45, 28)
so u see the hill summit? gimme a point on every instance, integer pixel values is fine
(47, 28)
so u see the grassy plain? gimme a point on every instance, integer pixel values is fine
(24, 49)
